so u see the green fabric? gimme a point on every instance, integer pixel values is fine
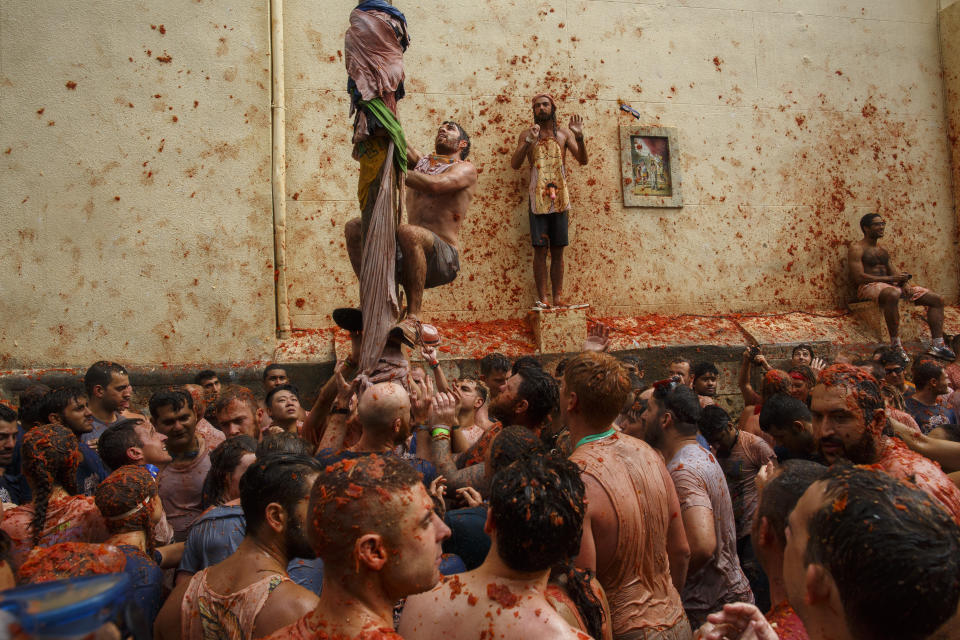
(389, 122)
(595, 437)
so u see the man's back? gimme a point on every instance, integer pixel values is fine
(901, 462)
(700, 483)
(631, 540)
(476, 604)
(746, 458)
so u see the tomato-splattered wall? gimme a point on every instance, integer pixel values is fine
(136, 209)
(794, 119)
(136, 160)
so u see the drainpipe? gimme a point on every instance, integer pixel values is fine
(279, 169)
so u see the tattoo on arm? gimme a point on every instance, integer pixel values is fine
(471, 476)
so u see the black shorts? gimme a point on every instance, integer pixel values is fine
(443, 264)
(549, 229)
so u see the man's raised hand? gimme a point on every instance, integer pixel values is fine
(598, 338)
(576, 125)
(443, 410)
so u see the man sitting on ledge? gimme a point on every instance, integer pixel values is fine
(875, 279)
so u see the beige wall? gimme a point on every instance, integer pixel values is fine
(136, 207)
(812, 114)
(950, 44)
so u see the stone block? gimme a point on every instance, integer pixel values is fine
(559, 330)
(869, 316)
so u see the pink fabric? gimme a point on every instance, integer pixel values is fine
(902, 416)
(206, 614)
(700, 483)
(69, 519)
(872, 291)
(181, 486)
(746, 459)
(373, 55)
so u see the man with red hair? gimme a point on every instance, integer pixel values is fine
(545, 145)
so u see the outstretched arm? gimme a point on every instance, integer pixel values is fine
(456, 178)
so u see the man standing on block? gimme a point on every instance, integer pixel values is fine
(545, 145)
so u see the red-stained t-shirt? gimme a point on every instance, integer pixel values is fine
(309, 627)
(740, 468)
(69, 519)
(181, 486)
(786, 622)
(903, 463)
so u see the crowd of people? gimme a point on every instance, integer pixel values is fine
(574, 502)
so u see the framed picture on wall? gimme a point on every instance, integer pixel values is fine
(649, 167)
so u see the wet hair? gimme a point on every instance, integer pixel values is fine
(774, 381)
(174, 397)
(780, 495)
(286, 442)
(524, 362)
(236, 393)
(868, 219)
(31, 400)
(494, 362)
(51, 455)
(206, 374)
(806, 347)
(926, 371)
(600, 382)
(57, 400)
(865, 387)
(703, 368)
(540, 391)
(872, 367)
(7, 414)
(782, 410)
(680, 360)
(892, 356)
(6, 546)
(278, 478)
(463, 136)
(273, 366)
(354, 497)
(281, 387)
(223, 461)
(561, 367)
(511, 444)
(113, 443)
(805, 371)
(682, 402)
(123, 499)
(100, 374)
(876, 530)
(713, 421)
(538, 507)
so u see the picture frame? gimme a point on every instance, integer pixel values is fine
(649, 167)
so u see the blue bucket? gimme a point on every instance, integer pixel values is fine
(67, 608)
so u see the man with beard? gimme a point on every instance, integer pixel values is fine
(377, 531)
(67, 406)
(526, 399)
(250, 595)
(848, 421)
(109, 392)
(441, 186)
(181, 481)
(545, 146)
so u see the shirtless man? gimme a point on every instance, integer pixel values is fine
(534, 522)
(250, 595)
(545, 146)
(375, 527)
(633, 535)
(875, 278)
(441, 186)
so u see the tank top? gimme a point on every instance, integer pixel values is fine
(548, 179)
(207, 615)
(637, 582)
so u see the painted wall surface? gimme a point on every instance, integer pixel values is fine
(950, 51)
(135, 173)
(795, 118)
(135, 153)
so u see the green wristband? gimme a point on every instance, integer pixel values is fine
(440, 432)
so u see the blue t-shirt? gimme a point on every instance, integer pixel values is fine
(928, 416)
(91, 471)
(218, 532)
(146, 582)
